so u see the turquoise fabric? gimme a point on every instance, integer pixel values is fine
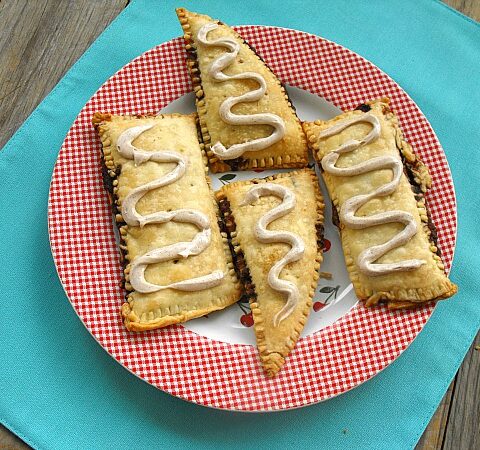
(59, 389)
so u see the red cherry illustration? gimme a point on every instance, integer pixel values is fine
(326, 245)
(259, 170)
(317, 306)
(247, 320)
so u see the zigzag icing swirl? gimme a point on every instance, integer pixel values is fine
(133, 218)
(216, 72)
(366, 259)
(268, 236)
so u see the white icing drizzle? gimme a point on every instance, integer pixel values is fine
(180, 249)
(368, 256)
(216, 72)
(267, 236)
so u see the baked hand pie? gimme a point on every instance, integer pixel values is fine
(246, 118)
(275, 226)
(177, 265)
(377, 185)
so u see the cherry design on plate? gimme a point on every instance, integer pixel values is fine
(332, 291)
(246, 319)
(326, 245)
(317, 306)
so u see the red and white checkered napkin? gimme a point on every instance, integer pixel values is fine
(174, 359)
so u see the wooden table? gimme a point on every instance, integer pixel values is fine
(39, 42)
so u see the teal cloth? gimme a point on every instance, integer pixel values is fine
(59, 389)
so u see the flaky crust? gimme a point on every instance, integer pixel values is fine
(290, 152)
(158, 309)
(401, 289)
(254, 260)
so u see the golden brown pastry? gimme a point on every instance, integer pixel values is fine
(177, 265)
(276, 228)
(377, 185)
(246, 118)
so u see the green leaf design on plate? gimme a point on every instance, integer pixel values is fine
(327, 289)
(227, 177)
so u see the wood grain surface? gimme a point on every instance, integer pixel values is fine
(40, 40)
(470, 8)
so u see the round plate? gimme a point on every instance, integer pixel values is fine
(210, 361)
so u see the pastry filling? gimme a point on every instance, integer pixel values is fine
(366, 259)
(229, 226)
(225, 112)
(263, 235)
(133, 218)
